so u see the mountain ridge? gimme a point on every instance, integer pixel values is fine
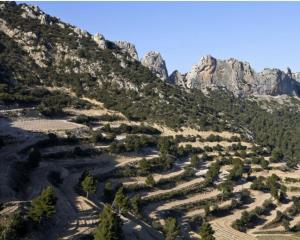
(209, 73)
(61, 55)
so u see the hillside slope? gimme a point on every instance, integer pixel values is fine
(59, 54)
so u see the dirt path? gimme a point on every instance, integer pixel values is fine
(157, 177)
(178, 187)
(222, 226)
(86, 213)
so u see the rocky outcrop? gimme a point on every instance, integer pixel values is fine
(154, 61)
(81, 33)
(100, 40)
(27, 40)
(296, 76)
(35, 12)
(177, 78)
(276, 82)
(232, 75)
(239, 78)
(129, 48)
(71, 49)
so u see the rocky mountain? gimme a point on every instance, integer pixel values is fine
(154, 61)
(55, 48)
(68, 43)
(40, 50)
(237, 77)
(178, 79)
(128, 48)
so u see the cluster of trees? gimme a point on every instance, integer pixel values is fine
(250, 219)
(237, 146)
(214, 138)
(17, 95)
(246, 221)
(159, 164)
(75, 152)
(261, 161)
(131, 129)
(132, 143)
(88, 120)
(98, 137)
(165, 103)
(281, 219)
(271, 184)
(54, 103)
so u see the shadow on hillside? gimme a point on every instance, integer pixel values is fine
(19, 182)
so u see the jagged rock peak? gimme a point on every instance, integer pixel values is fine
(276, 82)
(240, 79)
(34, 12)
(154, 61)
(211, 73)
(128, 48)
(100, 40)
(177, 78)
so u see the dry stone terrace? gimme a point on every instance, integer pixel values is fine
(180, 186)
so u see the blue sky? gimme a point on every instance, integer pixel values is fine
(266, 34)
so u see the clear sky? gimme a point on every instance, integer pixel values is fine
(265, 34)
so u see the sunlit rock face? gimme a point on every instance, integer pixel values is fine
(154, 61)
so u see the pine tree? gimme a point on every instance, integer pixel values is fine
(121, 202)
(89, 184)
(43, 206)
(206, 232)
(171, 230)
(150, 181)
(135, 204)
(110, 226)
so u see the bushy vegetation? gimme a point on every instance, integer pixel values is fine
(89, 120)
(271, 184)
(246, 221)
(252, 218)
(171, 229)
(276, 129)
(132, 143)
(43, 206)
(110, 225)
(132, 129)
(89, 184)
(13, 227)
(206, 232)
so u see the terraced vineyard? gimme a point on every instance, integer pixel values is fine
(191, 175)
